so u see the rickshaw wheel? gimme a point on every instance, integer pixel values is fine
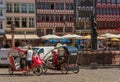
(44, 69)
(38, 70)
(76, 69)
(64, 68)
(10, 70)
(49, 61)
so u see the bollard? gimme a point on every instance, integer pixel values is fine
(93, 65)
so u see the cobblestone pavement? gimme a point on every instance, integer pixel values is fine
(85, 75)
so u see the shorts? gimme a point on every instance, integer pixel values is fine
(28, 62)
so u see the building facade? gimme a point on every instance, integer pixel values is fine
(55, 17)
(108, 15)
(83, 12)
(2, 22)
(22, 14)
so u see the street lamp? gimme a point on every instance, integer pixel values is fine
(12, 34)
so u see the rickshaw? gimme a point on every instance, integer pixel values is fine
(64, 59)
(15, 64)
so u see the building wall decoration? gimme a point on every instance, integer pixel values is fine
(55, 17)
(84, 10)
(108, 15)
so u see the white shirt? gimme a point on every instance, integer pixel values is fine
(29, 54)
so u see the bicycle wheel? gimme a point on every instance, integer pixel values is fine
(64, 68)
(38, 70)
(76, 69)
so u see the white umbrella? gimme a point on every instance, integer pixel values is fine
(69, 36)
(118, 36)
(108, 35)
(77, 36)
(50, 36)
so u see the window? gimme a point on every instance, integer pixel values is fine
(1, 1)
(1, 13)
(113, 1)
(68, 29)
(31, 22)
(66, 18)
(110, 24)
(47, 18)
(83, 3)
(80, 25)
(104, 11)
(69, 6)
(103, 1)
(43, 5)
(31, 8)
(71, 18)
(49, 31)
(9, 7)
(52, 5)
(110, 11)
(39, 18)
(51, 18)
(115, 24)
(57, 18)
(98, 1)
(16, 8)
(117, 11)
(108, 1)
(24, 22)
(17, 22)
(100, 24)
(61, 18)
(88, 25)
(107, 24)
(24, 8)
(118, 1)
(59, 29)
(43, 17)
(114, 11)
(48, 6)
(118, 24)
(89, 2)
(60, 6)
(38, 5)
(98, 10)
(1, 25)
(9, 20)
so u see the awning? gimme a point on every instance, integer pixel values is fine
(8, 36)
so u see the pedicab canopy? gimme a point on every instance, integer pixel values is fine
(71, 49)
(72, 54)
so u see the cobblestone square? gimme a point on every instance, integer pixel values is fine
(85, 75)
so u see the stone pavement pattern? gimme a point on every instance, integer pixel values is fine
(85, 75)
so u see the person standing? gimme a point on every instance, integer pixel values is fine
(29, 54)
